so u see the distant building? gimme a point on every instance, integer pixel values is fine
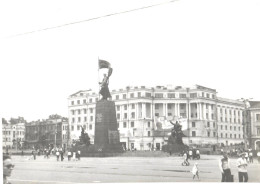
(144, 114)
(252, 116)
(13, 133)
(49, 132)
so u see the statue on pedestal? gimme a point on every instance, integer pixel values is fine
(104, 91)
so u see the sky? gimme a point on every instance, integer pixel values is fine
(49, 49)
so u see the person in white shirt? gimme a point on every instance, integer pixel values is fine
(242, 168)
(224, 166)
(258, 156)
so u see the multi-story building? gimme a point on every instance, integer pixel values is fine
(50, 132)
(143, 115)
(252, 116)
(13, 133)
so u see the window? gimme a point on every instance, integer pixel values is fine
(257, 117)
(169, 114)
(73, 120)
(230, 135)
(208, 95)
(84, 101)
(148, 124)
(182, 106)
(90, 100)
(149, 133)
(171, 95)
(78, 127)
(91, 118)
(235, 136)
(72, 128)
(221, 127)
(226, 127)
(139, 94)
(90, 127)
(212, 116)
(124, 96)
(226, 135)
(72, 112)
(132, 95)
(182, 95)
(156, 106)
(78, 101)
(125, 115)
(193, 134)
(85, 119)
(132, 124)
(238, 128)
(133, 106)
(78, 111)
(202, 94)
(91, 110)
(158, 95)
(118, 108)
(193, 124)
(207, 115)
(214, 134)
(235, 128)
(193, 95)
(157, 114)
(125, 107)
(221, 119)
(208, 134)
(72, 102)
(118, 116)
(258, 131)
(79, 119)
(132, 115)
(169, 106)
(124, 124)
(221, 135)
(117, 97)
(148, 95)
(208, 124)
(214, 125)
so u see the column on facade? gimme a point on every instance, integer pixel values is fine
(176, 109)
(143, 110)
(200, 111)
(166, 109)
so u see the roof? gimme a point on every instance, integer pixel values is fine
(254, 104)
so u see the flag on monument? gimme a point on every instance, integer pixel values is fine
(103, 64)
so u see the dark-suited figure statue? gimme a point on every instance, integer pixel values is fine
(104, 91)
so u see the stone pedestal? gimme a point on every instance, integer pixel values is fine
(107, 137)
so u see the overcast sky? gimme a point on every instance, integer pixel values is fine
(214, 43)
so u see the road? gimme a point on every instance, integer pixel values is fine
(119, 170)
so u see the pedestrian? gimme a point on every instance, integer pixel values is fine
(250, 154)
(258, 156)
(193, 154)
(34, 155)
(74, 156)
(198, 154)
(185, 159)
(69, 155)
(242, 168)
(7, 168)
(195, 171)
(224, 166)
(58, 155)
(190, 154)
(78, 154)
(22, 153)
(246, 156)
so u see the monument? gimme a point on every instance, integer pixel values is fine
(107, 137)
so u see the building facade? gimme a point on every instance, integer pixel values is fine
(144, 115)
(253, 124)
(13, 133)
(49, 132)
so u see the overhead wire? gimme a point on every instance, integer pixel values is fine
(91, 19)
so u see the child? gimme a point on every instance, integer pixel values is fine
(195, 170)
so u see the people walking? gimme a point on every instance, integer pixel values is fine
(185, 159)
(242, 168)
(57, 155)
(69, 155)
(224, 166)
(79, 154)
(198, 154)
(195, 171)
(190, 154)
(250, 155)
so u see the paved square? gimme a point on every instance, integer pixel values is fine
(121, 169)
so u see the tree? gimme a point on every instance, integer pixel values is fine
(84, 138)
